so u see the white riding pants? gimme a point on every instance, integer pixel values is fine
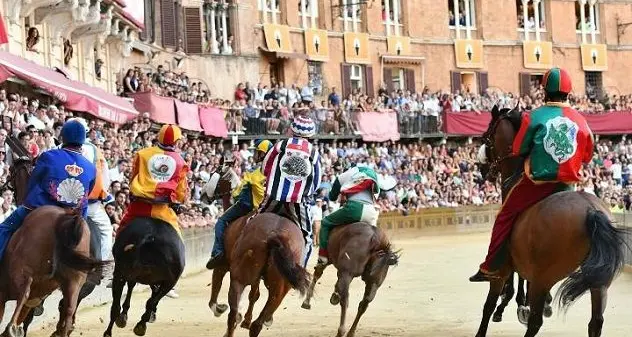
(97, 214)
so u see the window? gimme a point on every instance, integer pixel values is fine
(308, 12)
(462, 12)
(270, 10)
(594, 84)
(315, 77)
(219, 35)
(532, 15)
(356, 77)
(590, 14)
(350, 12)
(392, 16)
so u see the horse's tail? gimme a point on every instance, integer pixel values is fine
(69, 231)
(604, 261)
(292, 271)
(382, 253)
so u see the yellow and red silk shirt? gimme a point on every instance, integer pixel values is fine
(159, 177)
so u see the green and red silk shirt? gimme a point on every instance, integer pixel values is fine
(557, 140)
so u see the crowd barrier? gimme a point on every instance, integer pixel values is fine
(199, 242)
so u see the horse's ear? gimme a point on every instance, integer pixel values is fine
(495, 111)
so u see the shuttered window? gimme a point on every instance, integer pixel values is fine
(525, 84)
(193, 30)
(483, 82)
(368, 79)
(455, 81)
(168, 23)
(409, 74)
(346, 80)
(148, 33)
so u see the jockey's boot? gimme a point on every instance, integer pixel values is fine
(483, 276)
(215, 261)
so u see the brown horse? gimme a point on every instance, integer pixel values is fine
(357, 249)
(566, 235)
(19, 174)
(270, 247)
(51, 250)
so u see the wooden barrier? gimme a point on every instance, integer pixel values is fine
(462, 219)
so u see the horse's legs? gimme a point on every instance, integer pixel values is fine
(3, 302)
(341, 295)
(508, 292)
(522, 300)
(369, 294)
(252, 299)
(598, 297)
(234, 297)
(13, 330)
(152, 306)
(537, 297)
(548, 310)
(216, 286)
(277, 290)
(495, 288)
(318, 272)
(70, 291)
(115, 310)
(121, 320)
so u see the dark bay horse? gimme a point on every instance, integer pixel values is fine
(270, 247)
(147, 251)
(357, 249)
(567, 235)
(51, 250)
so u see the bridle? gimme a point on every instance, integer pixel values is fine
(490, 148)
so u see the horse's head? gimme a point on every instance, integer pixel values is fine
(495, 155)
(221, 185)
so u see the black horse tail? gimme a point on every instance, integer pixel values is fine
(69, 231)
(293, 272)
(382, 252)
(603, 263)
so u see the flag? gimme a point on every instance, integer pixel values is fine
(4, 37)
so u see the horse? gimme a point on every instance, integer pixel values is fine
(19, 175)
(147, 251)
(92, 281)
(521, 300)
(357, 249)
(51, 250)
(220, 186)
(568, 235)
(270, 247)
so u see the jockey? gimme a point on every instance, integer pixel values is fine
(158, 181)
(360, 186)
(61, 177)
(554, 140)
(248, 196)
(98, 195)
(292, 171)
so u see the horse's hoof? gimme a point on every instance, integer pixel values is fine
(107, 333)
(306, 306)
(140, 329)
(13, 331)
(245, 325)
(523, 314)
(121, 321)
(335, 299)
(255, 329)
(497, 317)
(152, 317)
(268, 323)
(240, 318)
(218, 309)
(548, 311)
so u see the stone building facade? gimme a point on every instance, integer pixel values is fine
(409, 44)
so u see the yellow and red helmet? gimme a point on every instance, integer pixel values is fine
(169, 134)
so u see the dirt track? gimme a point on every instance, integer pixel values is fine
(426, 295)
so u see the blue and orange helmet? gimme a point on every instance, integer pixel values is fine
(169, 134)
(557, 80)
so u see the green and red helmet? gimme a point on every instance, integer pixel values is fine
(557, 80)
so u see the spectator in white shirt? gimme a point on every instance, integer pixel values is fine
(317, 216)
(118, 173)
